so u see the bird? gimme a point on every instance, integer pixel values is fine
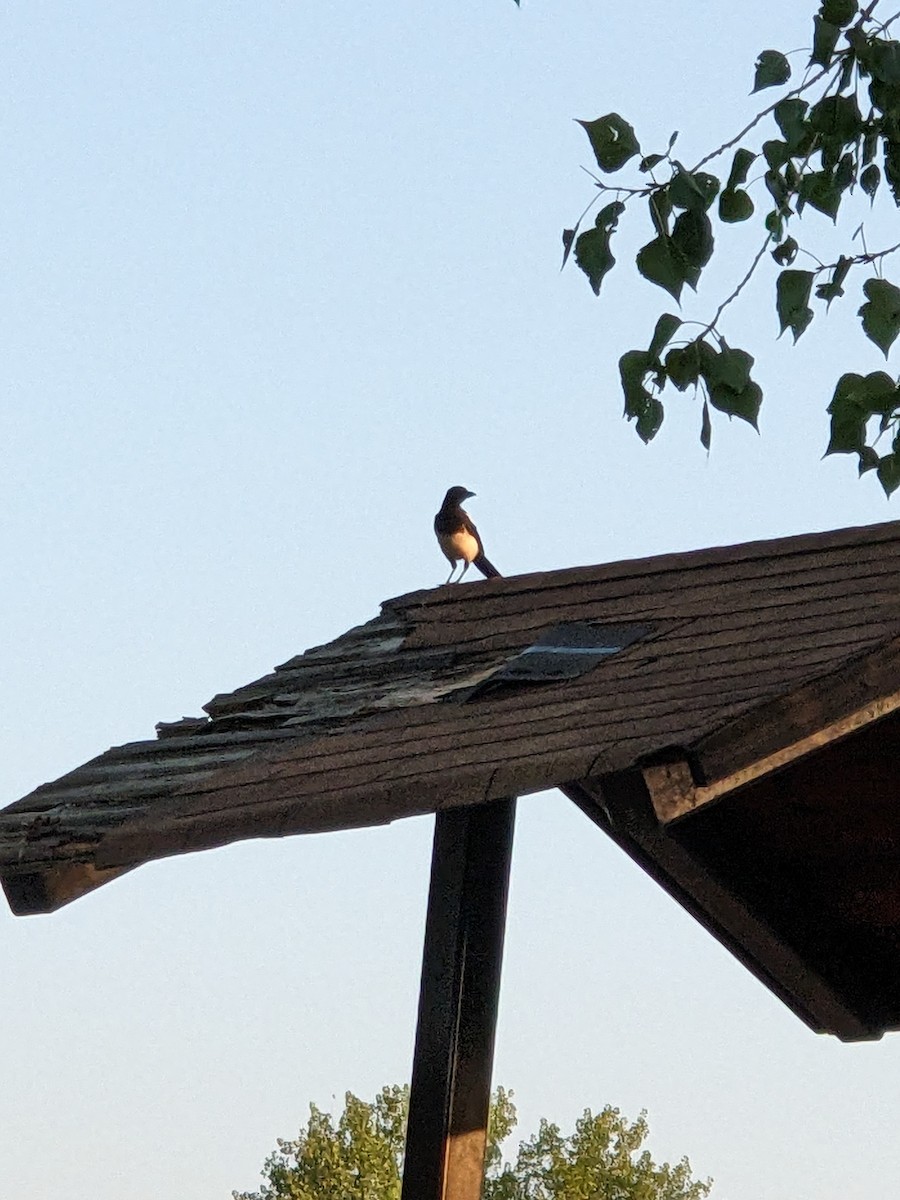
(458, 538)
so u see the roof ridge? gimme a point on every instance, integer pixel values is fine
(654, 564)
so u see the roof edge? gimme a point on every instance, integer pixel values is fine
(675, 793)
(857, 690)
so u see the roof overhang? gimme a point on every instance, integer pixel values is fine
(742, 751)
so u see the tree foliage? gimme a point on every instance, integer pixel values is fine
(602, 1157)
(835, 138)
(361, 1157)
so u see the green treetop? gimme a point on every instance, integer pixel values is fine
(361, 1157)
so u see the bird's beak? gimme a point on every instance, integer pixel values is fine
(469, 495)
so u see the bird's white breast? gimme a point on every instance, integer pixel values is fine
(463, 545)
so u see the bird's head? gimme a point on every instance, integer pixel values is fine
(456, 495)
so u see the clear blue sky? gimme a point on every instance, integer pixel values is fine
(274, 276)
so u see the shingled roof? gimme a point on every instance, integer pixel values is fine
(688, 668)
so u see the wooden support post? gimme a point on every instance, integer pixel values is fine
(451, 1076)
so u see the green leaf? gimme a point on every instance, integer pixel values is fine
(892, 168)
(885, 99)
(640, 405)
(848, 432)
(612, 140)
(568, 237)
(651, 161)
(869, 180)
(660, 210)
(779, 191)
(683, 366)
(665, 329)
(731, 369)
(792, 290)
(848, 416)
(649, 419)
(693, 191)
(883, 60)
(592, 252)
(785, 254)
(735, 205)
(705, 428)
(838, 118)
(848, 66)
(857, 41)
(634, 366)
(825, 38)
(874, 394)
(744, 404)
(692, 242)
(728, 382)
(845, 172)
(772, 69)
(790, 115)
(889, 473)
(774, 223)
(706, 355)
(857, 398)
(839, 12)
(834, 287)
(656, 262)
(776, 153)
(870, 144)
(820, 190)
(868, 459)
(740, 165)
(880, 393)
(881, 313)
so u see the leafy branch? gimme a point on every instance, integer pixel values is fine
(825, 149)
(763, 69)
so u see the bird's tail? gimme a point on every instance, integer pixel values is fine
(487, 568)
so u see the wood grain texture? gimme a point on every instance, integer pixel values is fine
(458, 999)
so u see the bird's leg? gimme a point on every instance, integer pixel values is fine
(452, 569)
(463, 571)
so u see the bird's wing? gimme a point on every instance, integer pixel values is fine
(469, 525)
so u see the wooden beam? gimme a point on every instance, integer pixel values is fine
(675, 794)
(867, 681)
(623, 808)
(45, 889)
(453, 1058)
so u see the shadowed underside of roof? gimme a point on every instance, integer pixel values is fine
(742, 651)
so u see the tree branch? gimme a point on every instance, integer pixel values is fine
(740, 287)
(759, 116)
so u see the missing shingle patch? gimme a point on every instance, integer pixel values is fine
(563, 652)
